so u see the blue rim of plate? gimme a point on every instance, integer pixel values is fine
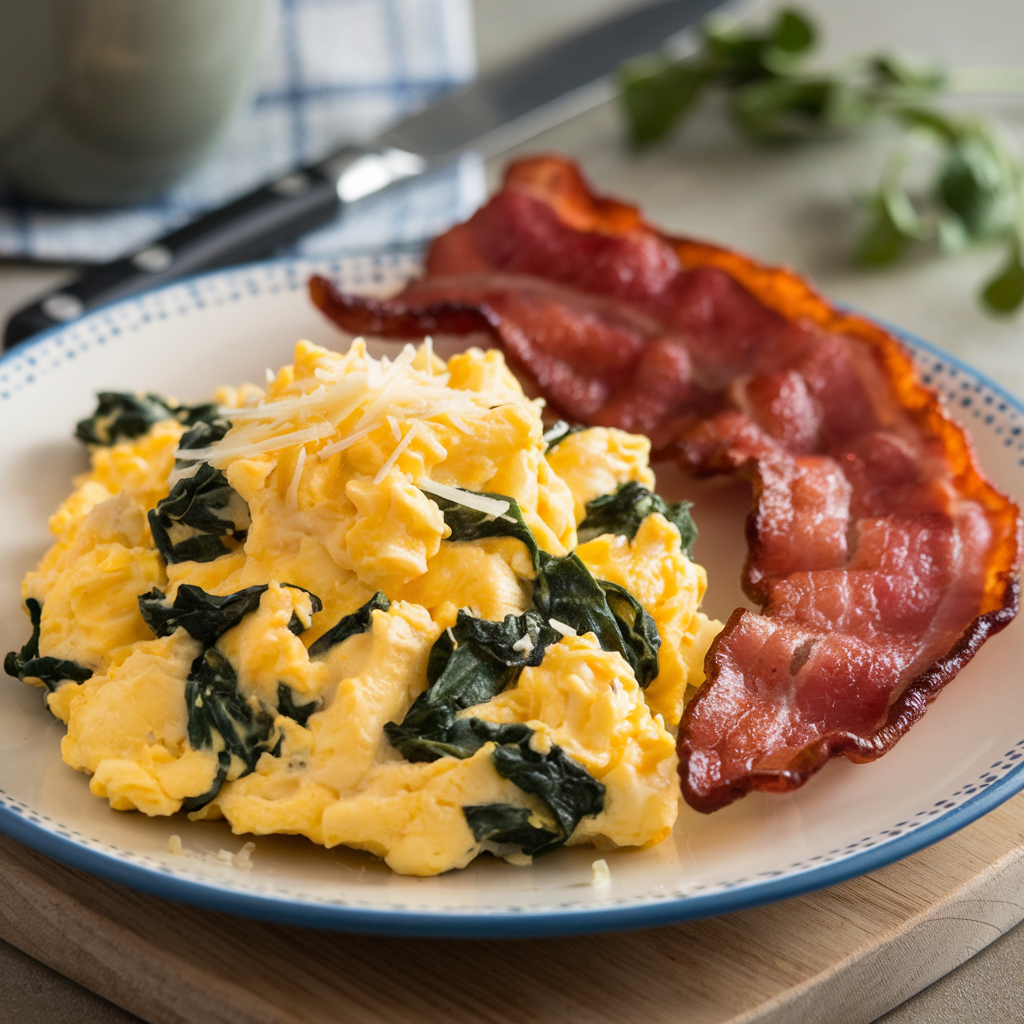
(503, 923)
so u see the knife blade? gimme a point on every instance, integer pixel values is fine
(499, 110)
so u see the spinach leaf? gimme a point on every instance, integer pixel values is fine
(27, 664)
(471, 524)
(194, 803)
(205, 616)
(469, 665)
(637, 628)
(623, 511)
(315, 605)
(201, 435)
(557, 433)
(508, 825)
(349, 625)
(214, 704)
(121, 416)
(484, 663)
(287, 706)
(188, 524)
(570, 792)
(565, 590)
(216, 707)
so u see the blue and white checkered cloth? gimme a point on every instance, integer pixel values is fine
(337, 70)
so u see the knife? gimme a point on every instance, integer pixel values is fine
(501, 109)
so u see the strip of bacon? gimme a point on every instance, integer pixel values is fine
(879, 554)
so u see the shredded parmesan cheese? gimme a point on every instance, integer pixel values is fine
(348, 398)
(219, 455)
(292, 497)
(399, 448)
(345, 442)
(561, 627)
(459, 422)
(478, 502)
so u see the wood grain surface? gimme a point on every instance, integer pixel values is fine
(844, 955)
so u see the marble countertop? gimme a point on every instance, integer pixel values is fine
(791, 206)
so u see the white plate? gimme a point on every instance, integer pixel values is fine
(962, 760)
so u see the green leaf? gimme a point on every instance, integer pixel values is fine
(1005, 292)
(623, 511)
(568, 790)
(774, 110)
(202, 435)
(475, 662)
(202, 508)
(656, 94)
(735, 54)
(557, 433)
(349, 625)
(565, 590)
(27, 664)
(882, 241)
(894, 220)
(981, 185)
(287, 705)
(206, 617)
(953, 237)
(470, 524)
(932, 121)
(470, 664)
(217, 708)
(121, 416)
(638, 629)
(507, 825)
(915, 78)
(793, 31)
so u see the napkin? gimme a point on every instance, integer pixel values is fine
(335, 70)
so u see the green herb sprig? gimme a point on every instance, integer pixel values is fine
(974, 191)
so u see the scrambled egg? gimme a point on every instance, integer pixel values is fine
(353, 607)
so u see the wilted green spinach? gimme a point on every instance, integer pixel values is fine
(349, 625)
(189, 524)
(27, 664)
(471, 664)
(122, 416)
(627, 507)
(207, 617)
(471, 524)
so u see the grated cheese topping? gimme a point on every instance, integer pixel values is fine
(478, 502)
(561, 627)
(292, 497)
(399, 448)
(347, 398)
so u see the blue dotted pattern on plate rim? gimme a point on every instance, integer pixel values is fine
(968, 396)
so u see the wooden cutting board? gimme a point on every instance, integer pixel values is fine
(844, 955)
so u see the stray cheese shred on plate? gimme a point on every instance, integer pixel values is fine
(374, 604)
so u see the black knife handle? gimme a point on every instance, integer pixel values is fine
(246, 229)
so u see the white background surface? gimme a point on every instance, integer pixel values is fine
(791, 206)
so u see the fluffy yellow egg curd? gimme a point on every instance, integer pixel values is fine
(376, 605)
